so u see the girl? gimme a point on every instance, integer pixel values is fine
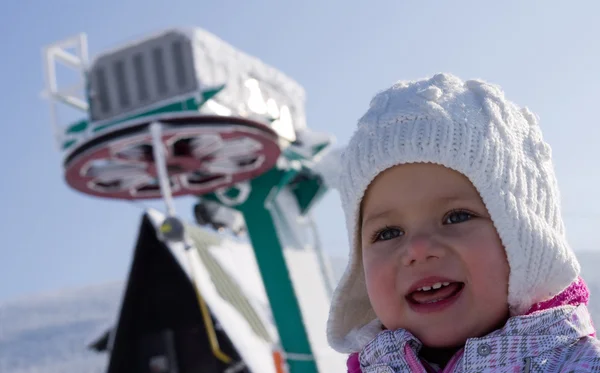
(459, 259)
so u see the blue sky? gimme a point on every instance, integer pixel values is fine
(545, 54)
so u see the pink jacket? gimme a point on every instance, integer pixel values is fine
(553, 338)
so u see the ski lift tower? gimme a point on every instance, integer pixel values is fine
(183, 113)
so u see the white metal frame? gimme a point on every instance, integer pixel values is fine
(54, 55)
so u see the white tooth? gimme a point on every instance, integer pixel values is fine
(445, 283)
(437, 285)
(426, 288)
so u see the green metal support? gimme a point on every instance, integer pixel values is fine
(274, 271)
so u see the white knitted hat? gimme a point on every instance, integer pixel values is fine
(471, 128)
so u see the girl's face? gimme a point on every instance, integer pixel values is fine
(434, 264)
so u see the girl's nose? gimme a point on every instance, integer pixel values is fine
(422, 248)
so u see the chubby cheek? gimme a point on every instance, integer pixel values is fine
(489, 272)
(381, 276)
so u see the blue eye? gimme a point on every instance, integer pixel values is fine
(387, 234)
(458, 216)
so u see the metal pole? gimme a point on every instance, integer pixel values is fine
(161, 167)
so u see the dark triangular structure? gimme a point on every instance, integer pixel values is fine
(160, 327)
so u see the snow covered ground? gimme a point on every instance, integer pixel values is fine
(48, 333)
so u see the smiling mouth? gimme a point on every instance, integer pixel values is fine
(435, 293)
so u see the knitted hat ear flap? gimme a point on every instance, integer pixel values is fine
(355, 313)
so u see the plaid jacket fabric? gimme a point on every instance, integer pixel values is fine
(555, 340)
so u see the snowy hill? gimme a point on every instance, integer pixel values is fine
(49, 333)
